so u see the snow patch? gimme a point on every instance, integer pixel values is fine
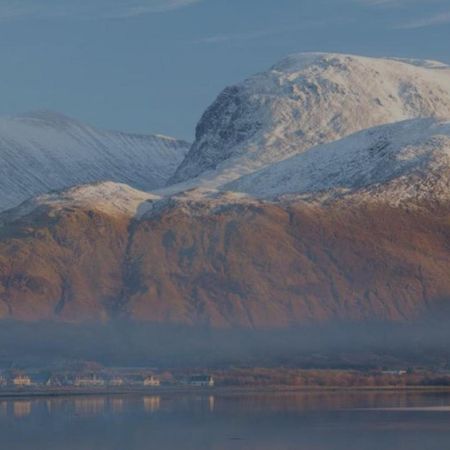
(107, 197)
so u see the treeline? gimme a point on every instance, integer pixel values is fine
(328, 378)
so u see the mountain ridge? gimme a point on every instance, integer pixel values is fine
(399, 159)
(44, 151)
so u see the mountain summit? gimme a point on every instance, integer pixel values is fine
(306, 100)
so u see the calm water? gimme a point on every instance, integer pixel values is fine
(315, 421)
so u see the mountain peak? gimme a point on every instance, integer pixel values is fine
(46, 116)
(301, 61)
(310, 99)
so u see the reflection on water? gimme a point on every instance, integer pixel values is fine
(89, 406)
(117, 405)
(229, 421)
(55, 404)
(211, 403)
(21, 408)
(152, 404)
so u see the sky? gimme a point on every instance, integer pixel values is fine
(153, 66)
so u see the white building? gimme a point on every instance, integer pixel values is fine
(21, 380)
(151, 381)
(116, 382)
(202, 381)
(89, 381)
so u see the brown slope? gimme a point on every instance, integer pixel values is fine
(271, 266)
(260, 264)
(64, 265)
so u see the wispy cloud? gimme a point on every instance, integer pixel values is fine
(258, 34)
(442, 18)
(380, 2)
(220, 38)
(396, 2)
(86, 9)
(436, 16)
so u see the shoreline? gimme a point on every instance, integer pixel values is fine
(220, 390)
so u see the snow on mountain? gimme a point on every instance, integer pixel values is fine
(265, 137)
(407, 160)
(114, 199)
(44, 151)
(299, 203)
(306, 100)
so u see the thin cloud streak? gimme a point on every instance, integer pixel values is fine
(432, 21)
(394, 2)
(257, 34)
(87, 9)
(221, 38)
(143, 9)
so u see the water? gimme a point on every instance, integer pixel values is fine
(287, 421)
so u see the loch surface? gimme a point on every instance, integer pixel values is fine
(229, 421)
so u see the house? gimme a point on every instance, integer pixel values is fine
(398, 373)
(53, 381)
(92, 380)
(116, 382)
(151, 380)
(21, 380)
(57, 381)
(201, 381)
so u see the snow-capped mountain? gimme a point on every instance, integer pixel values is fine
(404, 160)
(45, 151)
(306, 100)
(315, 192)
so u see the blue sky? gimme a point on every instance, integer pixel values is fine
(155, 65)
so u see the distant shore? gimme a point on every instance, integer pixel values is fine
(224, 390)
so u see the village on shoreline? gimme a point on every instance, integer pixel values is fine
(91, 378)
(118, 380)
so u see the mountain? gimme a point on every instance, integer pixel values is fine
(227, 261)
(354, 230)
(45, 151)
(403, 161)
(305, 221)
(306, 100)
